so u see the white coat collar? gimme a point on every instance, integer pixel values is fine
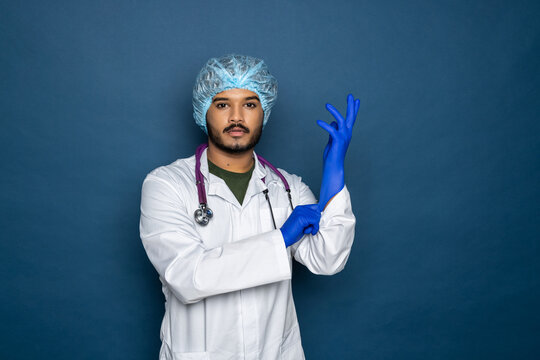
(216, 185)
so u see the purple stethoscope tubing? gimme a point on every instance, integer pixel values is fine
(203, 214)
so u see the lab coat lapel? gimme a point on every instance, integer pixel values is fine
(216, 186)
(256, 184)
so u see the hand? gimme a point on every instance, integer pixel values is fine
(303, 220)
(334, 153)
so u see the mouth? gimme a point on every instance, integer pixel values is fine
(236, 131)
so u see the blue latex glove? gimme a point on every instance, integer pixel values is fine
(303, 220)
(333, 179)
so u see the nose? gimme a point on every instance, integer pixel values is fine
(236, 114)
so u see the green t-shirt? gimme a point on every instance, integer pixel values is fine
(237, 182)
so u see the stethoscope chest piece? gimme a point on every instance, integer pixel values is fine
(203, 215)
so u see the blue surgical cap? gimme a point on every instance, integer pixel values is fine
(233, 72)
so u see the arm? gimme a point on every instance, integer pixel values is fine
(340, 131)
(326, 253)
(328, 250)
(193, 271)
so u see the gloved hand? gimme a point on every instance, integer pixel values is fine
(333, 179)
(303, 220)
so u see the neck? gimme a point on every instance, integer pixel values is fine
(238, 162)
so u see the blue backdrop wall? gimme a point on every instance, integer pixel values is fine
(443, 168)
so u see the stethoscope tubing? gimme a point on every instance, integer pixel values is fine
(203, 214)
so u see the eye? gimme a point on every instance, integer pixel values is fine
(251, 105)
(221, 105)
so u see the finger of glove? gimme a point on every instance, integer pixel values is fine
(329, 144)
(335, 126)
(314, 217)
(304, 215)
(308, 230)
(311, 214)
(340, 120)
(328, 128)
(311, 206)
(306, 207)
(315, 229)
(350, 108)
(351, 121)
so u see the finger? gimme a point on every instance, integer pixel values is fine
(308, 230)
(315, 229)
(312, 206)
(314, 217)
(330, 129)
(335, 126)
(350, 108)
(336, 115)
(351, 121)
(329, 144)
(311, 211)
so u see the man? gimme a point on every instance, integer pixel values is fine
(226, 272)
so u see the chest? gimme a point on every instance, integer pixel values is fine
(232, 222)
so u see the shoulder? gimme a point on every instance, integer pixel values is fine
(301, 192)
(178, 174)
(293, 179)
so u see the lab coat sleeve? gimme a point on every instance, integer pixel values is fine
(326, 253)
(192, 271)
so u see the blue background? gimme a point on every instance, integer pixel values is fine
(443, 168)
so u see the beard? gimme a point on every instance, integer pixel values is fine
(216, 139)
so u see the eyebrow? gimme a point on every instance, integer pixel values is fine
(225, 99)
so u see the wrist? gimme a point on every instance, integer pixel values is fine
(287, 238)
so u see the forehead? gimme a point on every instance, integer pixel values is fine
(236, 94)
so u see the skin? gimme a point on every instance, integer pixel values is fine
(234, 122)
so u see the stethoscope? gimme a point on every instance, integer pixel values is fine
(203, 214)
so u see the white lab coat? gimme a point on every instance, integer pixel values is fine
(227, 286)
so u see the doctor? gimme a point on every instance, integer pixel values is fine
(221, 227)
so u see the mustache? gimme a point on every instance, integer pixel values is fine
(236, 126)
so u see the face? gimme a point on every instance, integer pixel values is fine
(234, 120)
